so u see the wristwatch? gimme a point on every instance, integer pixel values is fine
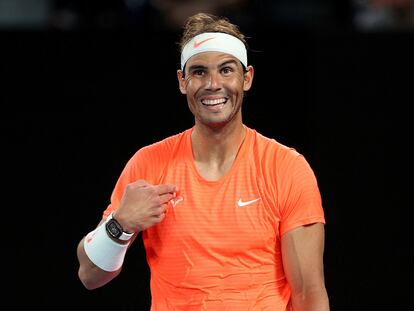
(115, 230)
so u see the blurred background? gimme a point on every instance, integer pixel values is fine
(164, 15)
(87, 83)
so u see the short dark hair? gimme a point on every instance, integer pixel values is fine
(203, 22)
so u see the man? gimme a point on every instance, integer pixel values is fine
(230, 219)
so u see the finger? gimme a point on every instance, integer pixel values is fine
(166, 188)
(159, 210)
(164, 198)
(141, 183)
(159, 218)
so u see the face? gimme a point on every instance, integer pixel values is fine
(215, 83)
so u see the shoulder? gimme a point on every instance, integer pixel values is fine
(276, 160)
(161, 149)
(149, 162)
(271, 149)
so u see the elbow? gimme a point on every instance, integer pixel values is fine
(86, 282)
(315, 296)
(88, 286)
(93, 278)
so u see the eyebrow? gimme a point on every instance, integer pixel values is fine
(201, 67)
(196, 67)
(228, 62)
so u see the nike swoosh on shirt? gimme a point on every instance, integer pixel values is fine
(197, 44)
(241, 203)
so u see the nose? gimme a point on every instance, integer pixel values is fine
(213, 81)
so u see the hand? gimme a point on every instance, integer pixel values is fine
(143, 205)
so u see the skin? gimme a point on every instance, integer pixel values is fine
(142, 206)
(302, 253)
(218, 131)
(214, 84)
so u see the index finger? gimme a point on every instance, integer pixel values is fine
(166, 188)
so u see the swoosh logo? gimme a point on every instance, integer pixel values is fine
(89, 238)
(197, 44)
(241, 203)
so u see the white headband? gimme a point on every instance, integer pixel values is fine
(214, 42)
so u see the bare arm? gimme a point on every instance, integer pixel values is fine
(302, 251)
(142, 206)
(92, 276)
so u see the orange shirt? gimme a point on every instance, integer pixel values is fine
(219, 246)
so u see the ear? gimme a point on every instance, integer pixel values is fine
(181, 81)
(248, 78)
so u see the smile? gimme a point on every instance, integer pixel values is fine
(214, 102)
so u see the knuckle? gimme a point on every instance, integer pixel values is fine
(158, 201)
(160, 217)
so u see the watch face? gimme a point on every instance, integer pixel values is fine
(113, 228)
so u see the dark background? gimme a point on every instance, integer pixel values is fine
(77, 103)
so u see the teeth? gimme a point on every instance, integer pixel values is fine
(212, 102)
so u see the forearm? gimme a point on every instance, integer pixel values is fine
(90, 275)
(315, 300)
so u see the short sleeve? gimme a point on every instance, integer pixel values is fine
(300, 197)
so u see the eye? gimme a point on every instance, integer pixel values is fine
(198, 72)
(226, 70)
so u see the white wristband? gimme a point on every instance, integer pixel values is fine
(103, 251)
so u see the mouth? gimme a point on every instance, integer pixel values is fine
(214, 102)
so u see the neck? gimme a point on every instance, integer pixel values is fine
(217, 146)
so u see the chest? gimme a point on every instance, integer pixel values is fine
(234, 214)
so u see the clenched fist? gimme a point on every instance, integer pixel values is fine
(143, 205)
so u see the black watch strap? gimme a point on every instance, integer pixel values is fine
(115, 230)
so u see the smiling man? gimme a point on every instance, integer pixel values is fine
(230, 219)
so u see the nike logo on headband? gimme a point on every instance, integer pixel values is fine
(197, 44)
